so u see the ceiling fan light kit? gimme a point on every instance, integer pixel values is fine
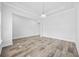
(43, 15)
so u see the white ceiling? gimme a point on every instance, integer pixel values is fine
(48, 7)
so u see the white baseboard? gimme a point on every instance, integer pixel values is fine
(58, 38)
(26, 36)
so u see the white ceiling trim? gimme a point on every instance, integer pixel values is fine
(35, 20)
(30, 14)
(34, 15)
(66, 10)
(20, 8)
(32, 11)
(57, 11)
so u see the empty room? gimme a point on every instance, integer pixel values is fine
(39, 29)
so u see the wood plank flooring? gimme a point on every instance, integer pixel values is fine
(40, 47)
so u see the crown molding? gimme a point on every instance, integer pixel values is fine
(56, 13)
(24, 12)
(17, 7)
(20, 8)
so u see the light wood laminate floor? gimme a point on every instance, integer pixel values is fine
(40, 47)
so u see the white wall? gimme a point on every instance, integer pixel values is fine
(6, 26)
(24, 27)
(0, 29)
(76, 5)
(60, 25)
(0, 24)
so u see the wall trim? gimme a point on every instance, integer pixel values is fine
(58, 38)
(61, 12)
(26, 36)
